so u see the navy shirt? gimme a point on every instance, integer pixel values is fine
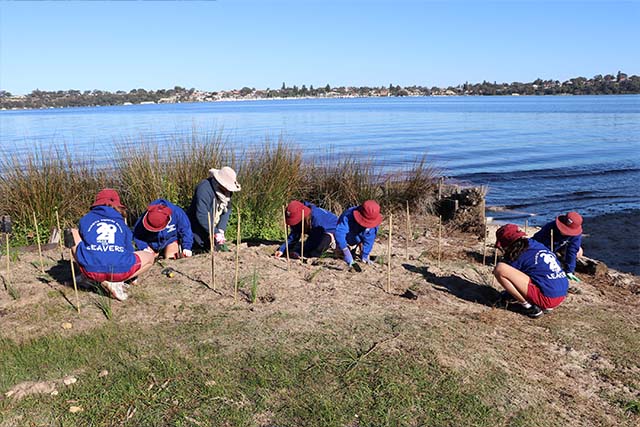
(542, 266)
(178, 229)
(569, 244)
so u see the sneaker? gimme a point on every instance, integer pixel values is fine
(505, 299)
(115, 289)
(534, 311)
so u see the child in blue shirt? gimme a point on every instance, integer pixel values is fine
(567, 239)
(530, 273)
(358, 226)
(319, 225)
(164, 227)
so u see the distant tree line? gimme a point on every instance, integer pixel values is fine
(608, 84)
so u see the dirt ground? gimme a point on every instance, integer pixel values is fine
(561, 359)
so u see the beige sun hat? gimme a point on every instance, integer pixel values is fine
(226, 177)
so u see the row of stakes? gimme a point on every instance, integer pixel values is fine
(6, 228)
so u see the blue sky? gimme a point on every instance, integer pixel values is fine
(229, 44)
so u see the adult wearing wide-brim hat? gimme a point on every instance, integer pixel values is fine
(530, 273)
(164, 229)
(567, 240)
(319, 225)
(104, 246)
(358, 227)
(212, 199)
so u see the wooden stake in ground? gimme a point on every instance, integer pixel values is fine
(409, 236)
(286, 235)
(75, 283)
(389, 254)
(552, 240)
(212, 251)
(484, 249)
(235, 288)
(35, 222)
(495, 257)
(526, 223)
(302, 239)
(6, 236)
(60, 242)
(439, 239)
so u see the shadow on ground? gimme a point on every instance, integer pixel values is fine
(458, 286)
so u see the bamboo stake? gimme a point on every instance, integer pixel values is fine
(75, 282)
(552, 240)
(409, 236)
(35, 222)
(526, 224)
(302, 240)
(495, 257)
(389, 253)
(439, 238)
(213, 251)
(60, 242)
(484, 249)
(8, 254)
(235, 288)
(286, 235)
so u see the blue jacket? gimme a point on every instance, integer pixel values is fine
(349, 233)
(201, 203)
(570, 245)
(178, 229)
(542, 266)
(106, 245)
(322, 222)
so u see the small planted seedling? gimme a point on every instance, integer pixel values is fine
(309, 278)
(103, 302)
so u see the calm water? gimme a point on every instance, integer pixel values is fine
(539, 155)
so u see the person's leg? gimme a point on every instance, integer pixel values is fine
(323, 244)
(512, 280)
(146, 261)
(171, 250)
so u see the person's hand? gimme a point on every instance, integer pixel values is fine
(148, 249)
(186, 253)
(573, 277)
(219, 238)
(348, 258)
(278, 254)
(368, 261)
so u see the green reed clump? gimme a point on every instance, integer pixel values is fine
(149, 170)
(336, 185)
(269, 177)
(416, 184)
(42, 181)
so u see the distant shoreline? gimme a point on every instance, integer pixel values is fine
(300, 98)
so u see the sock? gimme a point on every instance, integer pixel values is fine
(526, 304)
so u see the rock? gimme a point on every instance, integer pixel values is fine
(103, 373)
(69, 380)
(75, 409)
(67, 325)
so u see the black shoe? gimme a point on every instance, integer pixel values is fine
(534, 311)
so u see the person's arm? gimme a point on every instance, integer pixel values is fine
(137, 234)
(342, 229)
(368, 239)
(221, 226)
(204, 199)
(185, 235)
(573, 246)
(293, 238)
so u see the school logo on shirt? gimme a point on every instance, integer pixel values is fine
(105, 236)
(552, 262)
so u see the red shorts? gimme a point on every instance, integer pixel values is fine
(534, 296)
(114, 277)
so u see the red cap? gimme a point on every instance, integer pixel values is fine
(293, 215)
(157, 217)
(570, 224)
(368, 214)
(108, 197)
(507, 234)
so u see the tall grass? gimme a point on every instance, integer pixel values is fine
(144, 170)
